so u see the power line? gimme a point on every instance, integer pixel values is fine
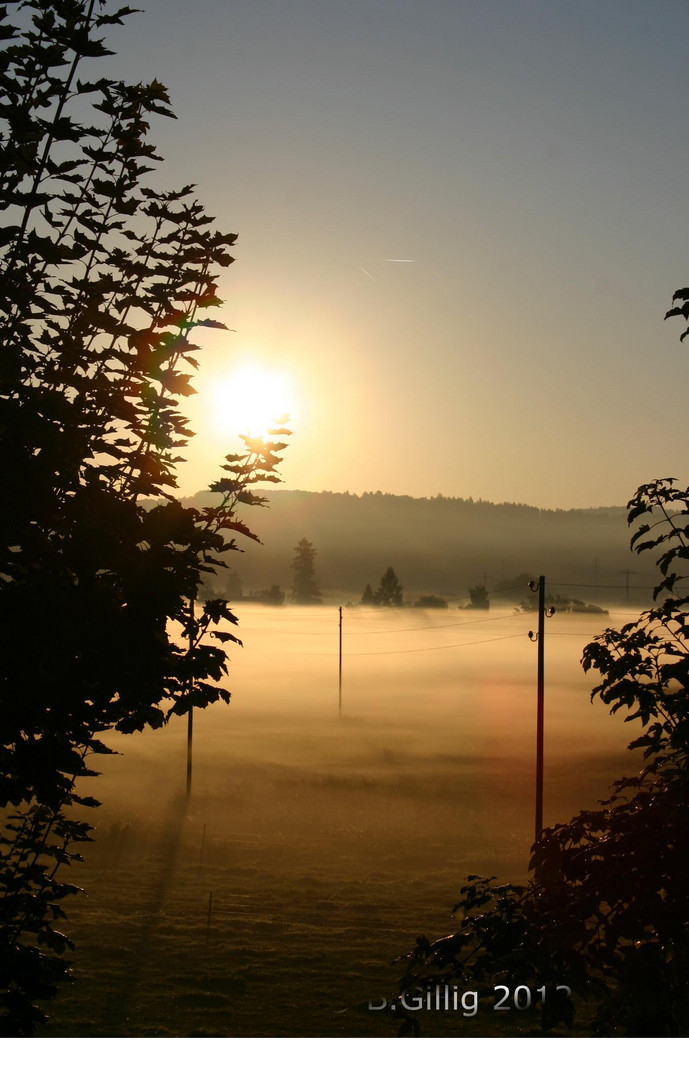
(428, 648)
(506, 588)
(437, 626)
(395, 630)
(433, 648)
(599, 587)
(410, 629)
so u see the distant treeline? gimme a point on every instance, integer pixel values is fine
(442, 545)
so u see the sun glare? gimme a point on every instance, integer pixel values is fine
(249, 401)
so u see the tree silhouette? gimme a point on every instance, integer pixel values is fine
(104, 281)
(367, 596)
(389, 592)
(305, 589)
(478, 598)
(274, 596)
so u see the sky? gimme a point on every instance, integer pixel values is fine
(527, 161)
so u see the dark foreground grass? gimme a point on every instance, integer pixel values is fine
(318, 880)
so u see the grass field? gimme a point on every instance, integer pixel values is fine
(316, 847)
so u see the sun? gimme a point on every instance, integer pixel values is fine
(249, 401)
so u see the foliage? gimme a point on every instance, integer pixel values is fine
(520, 581)
(367, 597)
(478, 598)
(556, 601)
(607, 909)
(228, 586)
(567, 605)
(274, 596)
(578, 607)
(104, 281)
(305, 590)
(681, 309)
(431, 602)
(389, 592)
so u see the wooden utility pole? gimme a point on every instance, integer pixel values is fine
(190, 713)
(539, 709)
(340, 671)
(540, 638)
(627, 586)
(208, 918)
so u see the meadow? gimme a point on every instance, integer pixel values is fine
(315, 845)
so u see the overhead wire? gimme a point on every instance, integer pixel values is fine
(322, 615)
(427, 648)
(434, 648)
(436, 626)
(395, 630)
(582, 585)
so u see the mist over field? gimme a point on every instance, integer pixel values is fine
(419, 687)
(328, 842)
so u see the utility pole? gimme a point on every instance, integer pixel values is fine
(190, 713)
(340, 671)
(627, 574)
(540, 638)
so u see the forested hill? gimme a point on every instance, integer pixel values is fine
(440, 545)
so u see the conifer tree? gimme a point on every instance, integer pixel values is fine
(389, 593)
(367, 597)
(305, 590)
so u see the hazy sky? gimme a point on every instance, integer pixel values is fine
(530, 156)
